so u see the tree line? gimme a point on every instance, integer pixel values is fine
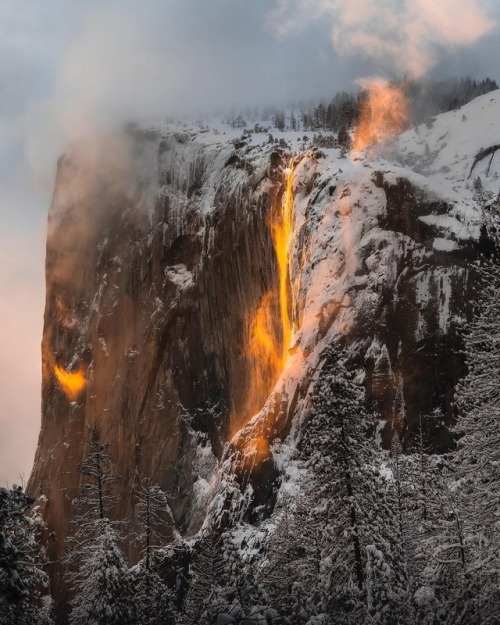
(427, 98)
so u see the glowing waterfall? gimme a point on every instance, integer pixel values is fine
(282, 238)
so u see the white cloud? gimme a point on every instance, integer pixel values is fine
(402, 35)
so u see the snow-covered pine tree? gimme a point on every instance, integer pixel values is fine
(205, 598)
(477, 464)
(153, 599)
(24, 587)
(443, 548)
(413, 476)
(100, 580)
(244, 593)
(224, 588)
(96, 497)
(292, 564)
(103, 585)
(404, 498)
(154, 518)
(348, 500)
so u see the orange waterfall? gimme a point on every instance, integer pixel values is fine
(282, 239)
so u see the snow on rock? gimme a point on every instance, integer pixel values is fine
(180, 256)
(424, 596)
(379, 265)
(445, 149)
(180, 276)
(444, 245)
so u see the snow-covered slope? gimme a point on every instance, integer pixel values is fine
(446, 148)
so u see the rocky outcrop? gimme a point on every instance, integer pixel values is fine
(159, 256)
(381, 268)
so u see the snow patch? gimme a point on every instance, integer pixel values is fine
(180, 276)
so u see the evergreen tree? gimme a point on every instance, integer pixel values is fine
(246, 600)
(293, 557)
(153, 599)
(223, 588)
(444, 550)
(96, 496)
(477, 464)
(24, 594)
(341, 555)
(361, 527)
(344, 140)
(205, 598)
(279, 120)
(103, 586)
(101, 583)
(154, 518)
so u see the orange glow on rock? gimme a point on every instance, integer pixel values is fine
(72, 383)
(256, 451)
(263, 353)
(384, 114)
(262, 342)
(282, 232)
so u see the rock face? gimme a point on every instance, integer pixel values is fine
(159, 259)
(152, 279)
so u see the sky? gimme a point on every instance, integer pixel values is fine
(70, 67)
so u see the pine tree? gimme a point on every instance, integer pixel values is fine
(223, 587)
(344, 140)
(205, 598)
(103, 586)
(96, 495)
(349, 500)
(154, 517)
(244, 595)
(292, 572)
(279, 120)
(153, 599)
(24, 594)
(477, 463)
(443, 548)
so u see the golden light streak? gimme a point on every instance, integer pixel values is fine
(282, 237)
(265, 353)
(72, 383)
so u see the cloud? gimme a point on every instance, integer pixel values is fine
(405, 36)
(170, 58)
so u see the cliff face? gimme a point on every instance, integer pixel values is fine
(161, 269)
(152, 279)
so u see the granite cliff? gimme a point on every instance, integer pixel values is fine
(164, 295)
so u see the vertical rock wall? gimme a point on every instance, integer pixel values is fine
(158, 254)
